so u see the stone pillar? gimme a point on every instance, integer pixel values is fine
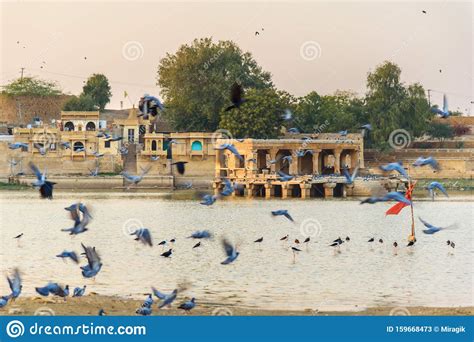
(305, 190)
(250, 190)
(316, 169)
(294, 166)
(348, 190)
(273, 153)
(285, 191)
(218, 163)
(269, 190)
(337, 161)
(329, 189)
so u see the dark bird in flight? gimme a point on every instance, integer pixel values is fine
(284, 238)
(411, 243)
(236, 93)
(380, 240)
(180, 167)
(371, 240)
(45, 187)
(18, 236)
(348, 238)
(257, 33)
(259, 240)
(197, 245)
(306, 240)
(424, 12)
(395, 244)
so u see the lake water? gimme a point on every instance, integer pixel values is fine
(265, 275)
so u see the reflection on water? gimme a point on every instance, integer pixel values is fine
(265, 274)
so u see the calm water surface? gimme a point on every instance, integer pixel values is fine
(265, 275)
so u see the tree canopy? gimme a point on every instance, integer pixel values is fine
(31, 86)
(97, 87)
(80, 103)
(391, 105)
(196, 81)
(260, 117)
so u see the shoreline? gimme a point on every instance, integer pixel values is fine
(89, 305)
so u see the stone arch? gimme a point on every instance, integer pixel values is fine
(69, 126)
(90, 126)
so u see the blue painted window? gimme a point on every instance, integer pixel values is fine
(196, 146)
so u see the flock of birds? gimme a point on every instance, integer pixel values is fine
(81, 216)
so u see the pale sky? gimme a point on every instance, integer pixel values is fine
(349, 38)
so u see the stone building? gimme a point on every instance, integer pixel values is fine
(315, 163)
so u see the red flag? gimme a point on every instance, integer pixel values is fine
(395, 210)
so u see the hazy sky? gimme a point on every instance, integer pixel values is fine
(348, 39)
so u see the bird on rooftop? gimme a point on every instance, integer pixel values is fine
(230, 251)
(284, 213)
(236, 96)
(45, 187)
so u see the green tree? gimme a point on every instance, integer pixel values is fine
(342, 110)
(98, 88)
(390, 105)
(80, 103)
(196, 81)
(32, 87)
(261, 117)
(440, 131)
